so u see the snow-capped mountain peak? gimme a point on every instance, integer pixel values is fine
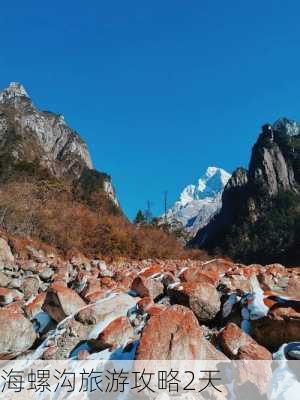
(199, 202)
(212, 182)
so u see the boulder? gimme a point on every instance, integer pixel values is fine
(281, 325)
(236, 283)
(114, 335)
(9, 295)
(175, 334)
(218, 265)
(4, 279)
(149, 283)
(195, 274)
(144, 304)
(147, 287)
(253, 351)
(155, 309)
(105, 311)
(16, 332)
(252, 379)
(6, 255)
(201, 297)
(33, 307)
(15, 283)
(107, 282)
(46, 273)
(96, 296)
(236, 344)
(30, 286)
(61, 302)
(15, 307)
(293, 288)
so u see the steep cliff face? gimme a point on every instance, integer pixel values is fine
(249, 196)
(43, 139)
(271, 166)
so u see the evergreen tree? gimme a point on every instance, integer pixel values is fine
(140, 217)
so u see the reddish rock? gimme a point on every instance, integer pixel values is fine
(16, 332)
(144, 304)
(30, 286)
(116, 334)
(27, 265)
(149, 272)
(90, 286)
(147, 287)
(218, 265)
(35, 305)
(62, 273)
(155, 309)
(7, 296)
(125, 283)
(236, 344)
(107, 282)
(95, 296)
(236, 283)
(6, 255)
(232, 338)
(276, 269)
(61, 302)
(174, 334)
(201, 297)
(250, 270)
(109, 308)
(59, 279)
(197, 275)
(253, 376)
(14, 308)
(293, 288)
(50, 353)
(281, 325)
(253, 351)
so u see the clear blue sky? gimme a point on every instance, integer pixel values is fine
(158, 89)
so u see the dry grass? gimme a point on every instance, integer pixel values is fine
(47, 211)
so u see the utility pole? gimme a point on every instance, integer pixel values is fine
(166, 204)
(148, 211)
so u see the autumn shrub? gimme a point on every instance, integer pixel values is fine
(47, 210)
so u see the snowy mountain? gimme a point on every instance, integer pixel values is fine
(199, 202)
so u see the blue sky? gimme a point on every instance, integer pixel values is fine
(158, 89)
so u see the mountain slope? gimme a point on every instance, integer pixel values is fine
(43, 139)
(260, 216)
(50, 193)
(198, 203)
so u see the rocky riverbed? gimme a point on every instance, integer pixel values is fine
(60, 308)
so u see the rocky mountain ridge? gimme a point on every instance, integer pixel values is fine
(274, 171)
(43, 138)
